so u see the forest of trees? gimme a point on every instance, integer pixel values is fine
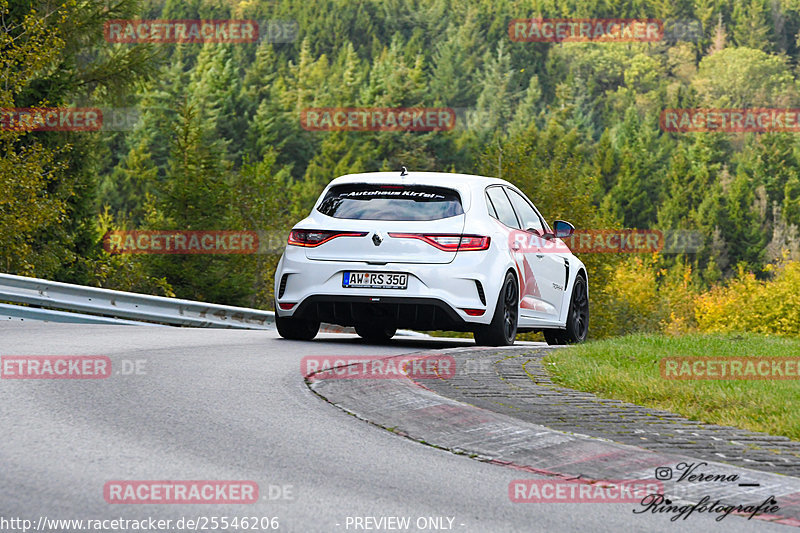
(218, 143)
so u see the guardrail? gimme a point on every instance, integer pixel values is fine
(22, 314)
(120, 305)
(64, 302)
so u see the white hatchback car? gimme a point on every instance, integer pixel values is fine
(430, 251)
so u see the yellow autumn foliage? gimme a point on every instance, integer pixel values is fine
(748, 304)
(643, 297)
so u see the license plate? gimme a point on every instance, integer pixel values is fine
(375, 280)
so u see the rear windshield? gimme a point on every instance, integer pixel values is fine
(390, 202)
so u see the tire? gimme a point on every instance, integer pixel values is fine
(375, 333)
(296, 329)
(577, 317)
(502, 330)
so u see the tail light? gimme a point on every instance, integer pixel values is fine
(312, 237)
(449, 242)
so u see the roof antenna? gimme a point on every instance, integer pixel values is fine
(404, 172)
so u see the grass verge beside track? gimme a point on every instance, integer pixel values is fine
(627, 368)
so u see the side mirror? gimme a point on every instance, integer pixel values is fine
(563, 229)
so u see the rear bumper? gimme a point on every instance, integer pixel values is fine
(400, 312)
(436, 297)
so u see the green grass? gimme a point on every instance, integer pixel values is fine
(627, 368)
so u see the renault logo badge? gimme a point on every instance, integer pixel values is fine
(377, 239)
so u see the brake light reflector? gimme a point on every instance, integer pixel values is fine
(473, 242)
(474, 312)
(310, 238)
(285, 306)
(449, 242)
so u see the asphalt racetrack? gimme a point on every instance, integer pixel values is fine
(205, 404)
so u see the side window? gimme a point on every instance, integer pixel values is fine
(490, 207)
(529, 218)
(502, 207)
